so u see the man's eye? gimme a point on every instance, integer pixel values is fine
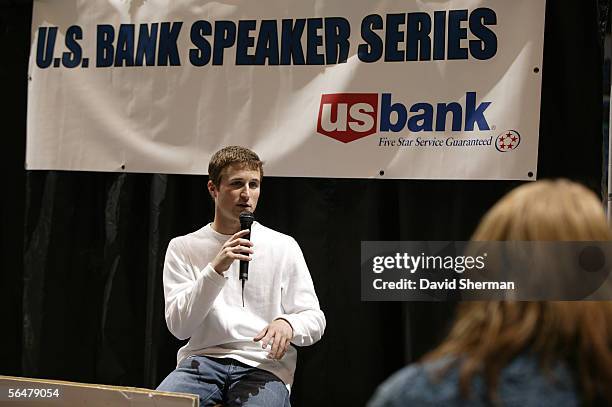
(253, 184)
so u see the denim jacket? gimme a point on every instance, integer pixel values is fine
(522, 383)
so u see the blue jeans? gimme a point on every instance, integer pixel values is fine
(226, 382)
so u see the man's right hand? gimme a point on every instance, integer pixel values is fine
(236, 248)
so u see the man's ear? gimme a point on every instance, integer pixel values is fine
(212, 189)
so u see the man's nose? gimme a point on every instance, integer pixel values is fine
(245, 193)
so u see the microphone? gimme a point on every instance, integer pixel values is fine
(246, 220)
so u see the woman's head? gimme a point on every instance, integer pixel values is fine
(487, 335)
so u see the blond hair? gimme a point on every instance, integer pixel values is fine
(545, 210)
(486, 336)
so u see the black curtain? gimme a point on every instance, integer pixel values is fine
(82, 252)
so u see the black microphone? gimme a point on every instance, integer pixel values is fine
(246, 220)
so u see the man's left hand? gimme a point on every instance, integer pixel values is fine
(278, 334)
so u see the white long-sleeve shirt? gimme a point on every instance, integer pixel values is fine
(206, 307)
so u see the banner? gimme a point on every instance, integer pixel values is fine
(360, 89)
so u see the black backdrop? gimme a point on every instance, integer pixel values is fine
(81, 253)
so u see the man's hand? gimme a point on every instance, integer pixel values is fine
(236, 248)
(278, 334)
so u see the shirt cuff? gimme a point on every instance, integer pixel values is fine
(210, 274)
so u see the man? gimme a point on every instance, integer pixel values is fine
(238, 354)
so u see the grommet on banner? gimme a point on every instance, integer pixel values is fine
(530, 174)
(381, 172)
(536, 69)
(123, 166)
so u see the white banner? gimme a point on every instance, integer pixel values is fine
(360, 88)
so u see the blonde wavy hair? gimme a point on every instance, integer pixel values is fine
(486, 336)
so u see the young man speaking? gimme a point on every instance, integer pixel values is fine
(239, 349)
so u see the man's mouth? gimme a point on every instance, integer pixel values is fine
(244, 205)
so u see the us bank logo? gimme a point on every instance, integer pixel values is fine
(348, 117)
